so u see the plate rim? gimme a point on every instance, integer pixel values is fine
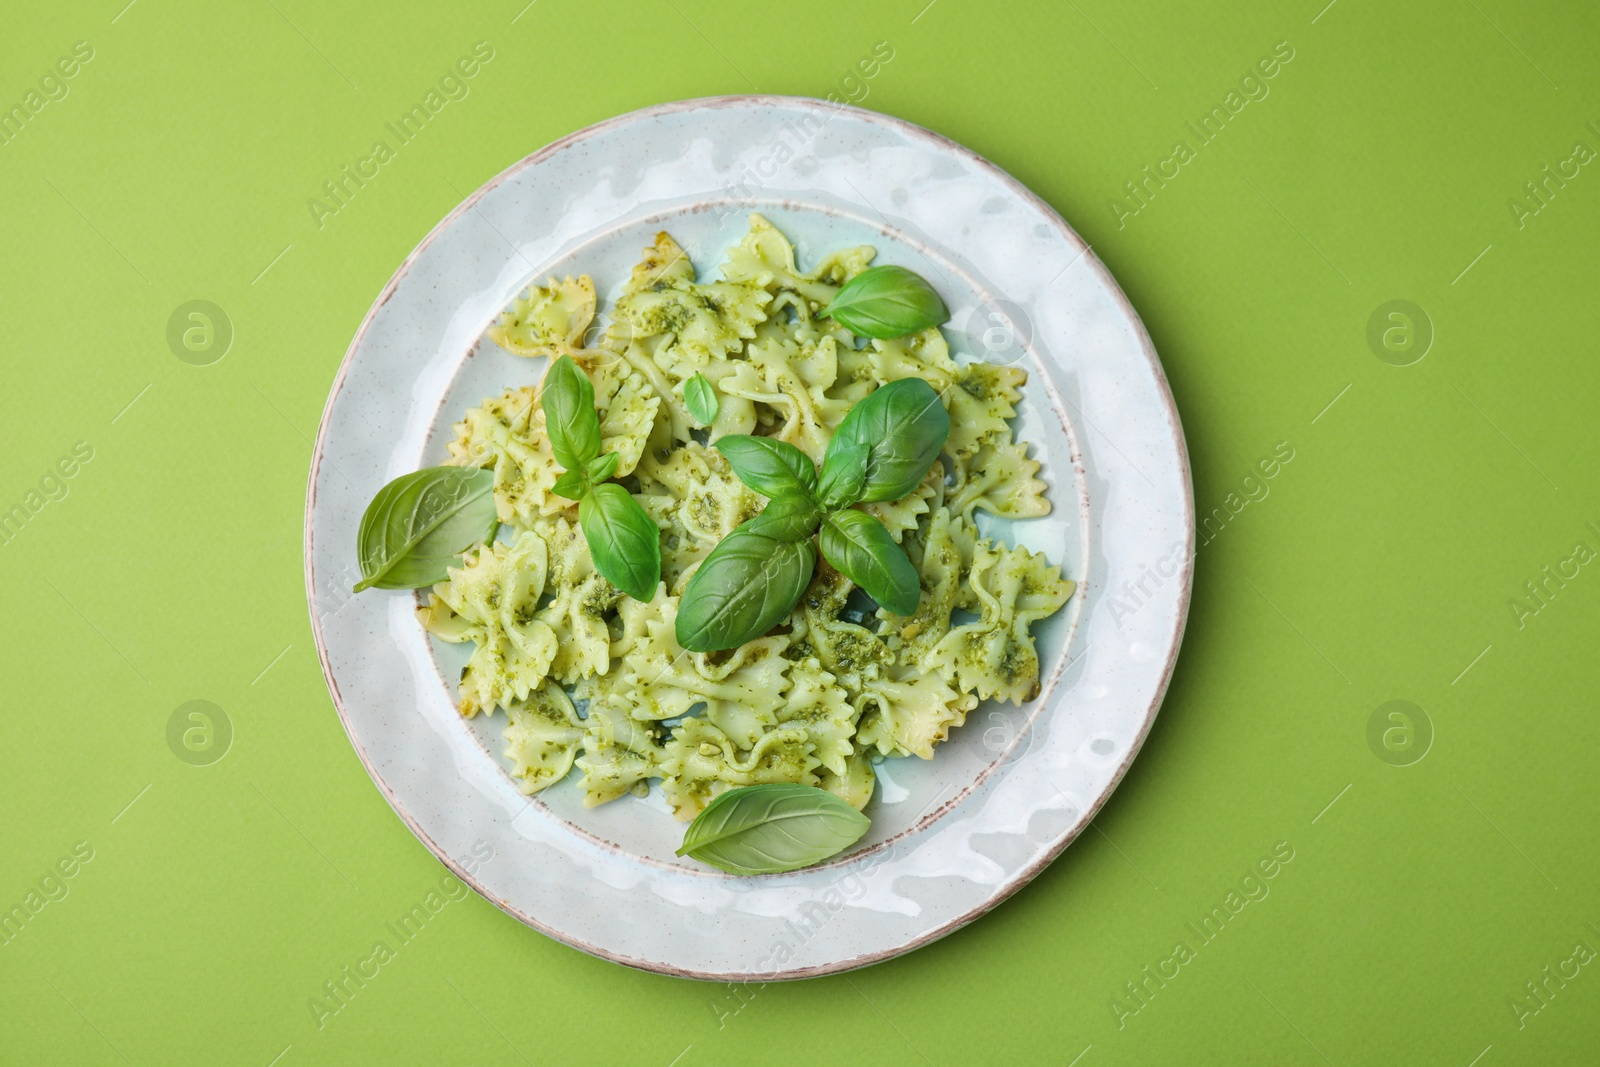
(1169, 409)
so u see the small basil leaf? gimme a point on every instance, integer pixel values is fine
(569, 414)
(421, 523)
(772, 468)
(903, 425)
(886, 302)
(571, 484)
(700, 398)
(771, 828)
(844, 473)
(787, 518)
(746, 586)
(861, 549)
(603, 466)
(624, 542)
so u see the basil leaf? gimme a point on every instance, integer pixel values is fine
(787, 518)
(569, 415)
(844, 474)
(768, 829)
(700, 398)
(746, 586)
(903, 425)
(886, 302)
(572, 485)
(603, 466)
(421, 523)
(624, 541)
(861, 549)
(771, 468)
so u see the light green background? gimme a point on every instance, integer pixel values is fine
(1382, 564)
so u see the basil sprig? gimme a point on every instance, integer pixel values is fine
(772, 828)
(624, 541)
(756, 575)
(700, 397)
(885, 302)
(421, 523)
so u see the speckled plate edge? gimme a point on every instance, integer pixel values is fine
(1177, 588)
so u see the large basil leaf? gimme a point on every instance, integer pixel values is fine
(787, 518)
(903, 426)
(421, 523)
(624, 541)
(861, 549)
(569, 415)
(700, 397)
(745, 587)
(772, 468)
(768, 829)
(886, 302)
(844, 473)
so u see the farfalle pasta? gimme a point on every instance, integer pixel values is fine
(592, 679)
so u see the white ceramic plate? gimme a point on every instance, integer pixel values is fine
(951, 837)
